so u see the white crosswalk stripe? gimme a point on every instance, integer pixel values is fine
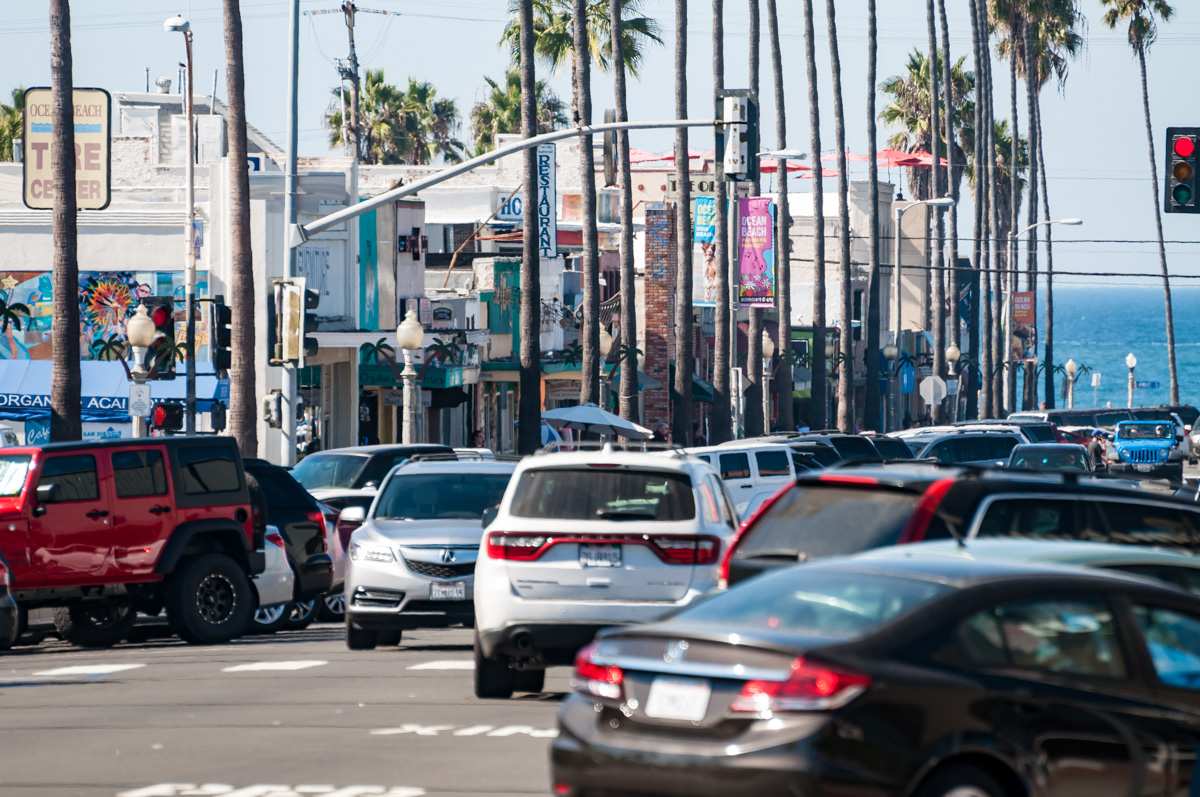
(448, 664)
(89, 669)
(275, 666)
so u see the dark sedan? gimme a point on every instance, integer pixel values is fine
(933, 678)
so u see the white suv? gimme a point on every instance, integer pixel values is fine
(587, 540)
(412, 559)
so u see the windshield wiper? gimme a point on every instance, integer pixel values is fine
(626, 516)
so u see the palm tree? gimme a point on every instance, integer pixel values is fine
(720, 427)
(1143, 17)
(817, 360)
(529, 411)
(628, 388)
(65, 403)
(554, 34)
(783, 232)
(872, 417)
(589, 382)
(995, 196)
(982, 183)
(410, 125)
(952, 172)
(501, 112)
(11, 119)
(937, 292)
(753, 399)
(681, 417)
(845, 392)
(243, 390)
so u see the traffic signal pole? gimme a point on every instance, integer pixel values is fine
(290, 373)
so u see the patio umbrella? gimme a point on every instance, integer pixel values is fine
(590, 418)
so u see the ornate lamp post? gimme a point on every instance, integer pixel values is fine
(410, 335)
(140, 332)
(768, 355)
(1131, 364)
(953, 355)
(891, 353)
(1072, 370)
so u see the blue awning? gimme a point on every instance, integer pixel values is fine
(25, 390)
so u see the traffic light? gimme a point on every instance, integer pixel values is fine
(309, 345)
(167, 416)
(739, 114)
(290, 322)
(272, 409)
(161, 310)
(274, 323)
(221, 334)
(1183, 170)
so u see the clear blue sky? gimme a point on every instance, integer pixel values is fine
(1095, 147)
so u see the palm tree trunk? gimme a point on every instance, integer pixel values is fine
(65, 402)
(937, 275)
(820, 397)
(720, 423)
(589, 392)
(982, 353)
(873, 416)
(243, 388)
(952, 176)
(1168, 308)
(681, 417)
(845, 388)
(783, 232)
(629, 365)
(1014, 209)
(996, 238)
(1048, 363)
(1031, 218)
(755, 422)
(529, 411)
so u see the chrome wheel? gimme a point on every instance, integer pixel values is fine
(269, 615)
(336, 603)
(216, 598)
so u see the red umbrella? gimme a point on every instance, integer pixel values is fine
(772, 166)
(895, 157)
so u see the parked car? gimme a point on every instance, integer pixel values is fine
(1032, 430)
(977, 448)
(274, 587)
(925, 677)
(582, 541)
(412, 558)
(1148, 448)
(848, 511)
(329, 475)
(890, 449)
(1051, 458)
(749, 469)
(10, 615)
(107, 529)
(1183, 438)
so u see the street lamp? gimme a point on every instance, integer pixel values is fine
(177, 24)
(1071, 369)
(891, 353)
(768, 355)
(1130, 363)
(953, 355)
(140, 332)
(410, 335)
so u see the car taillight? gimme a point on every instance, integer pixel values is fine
(687, 550)
(318, 517)
(723, 579)
(925, 511)
(275, 538)
(808, 687)
(598, 680)
(515, 546)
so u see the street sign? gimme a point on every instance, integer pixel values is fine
(93, 148)
(933, 389)
(547, 199)
(139, 400)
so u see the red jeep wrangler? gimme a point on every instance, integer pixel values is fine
(107, 529)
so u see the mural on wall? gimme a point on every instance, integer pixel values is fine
(106, 300)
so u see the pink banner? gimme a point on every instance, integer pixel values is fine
(756, 251)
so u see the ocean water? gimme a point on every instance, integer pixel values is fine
(1098, 326)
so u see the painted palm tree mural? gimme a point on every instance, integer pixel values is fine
(110, 348)
(12, 316)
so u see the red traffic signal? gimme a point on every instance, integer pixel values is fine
(1182, 189)
(167, 416)
(1185, 146)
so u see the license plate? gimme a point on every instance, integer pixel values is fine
(600, 555)
(454, 591)
(1143, 468)
(680, 699)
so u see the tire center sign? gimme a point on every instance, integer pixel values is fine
(93, 139)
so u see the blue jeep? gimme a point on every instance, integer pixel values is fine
(1145, 447)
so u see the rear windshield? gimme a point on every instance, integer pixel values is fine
(602, 494)
(822, 521)
(440, 496)
(1039, 432)
(806, 601)
(891, 448)
(820, 452)
(1075, 419)
(318, 471)
(855, 449)
(1111, 417)
(1050, 458)
(13, 470)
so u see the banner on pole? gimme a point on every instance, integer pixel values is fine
(756, 251)
(1024, 326)
(705, 227)
(547, 201)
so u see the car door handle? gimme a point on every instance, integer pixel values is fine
(96, 514)
(159, 510)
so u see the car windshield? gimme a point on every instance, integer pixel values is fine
(1060, 459)
(319, 471)
(1146, 431)
(803, 600)
(13, 470)
(604, 494)
(440, 496)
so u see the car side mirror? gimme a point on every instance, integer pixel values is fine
(489, 515)
(46, 494)
(352, 514)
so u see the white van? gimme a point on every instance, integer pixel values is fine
(749, 470)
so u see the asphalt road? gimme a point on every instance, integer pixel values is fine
(284, 716)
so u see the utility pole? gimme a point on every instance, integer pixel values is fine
(290, 375)
(350, 72)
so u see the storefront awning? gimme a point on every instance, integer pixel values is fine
(25, 390)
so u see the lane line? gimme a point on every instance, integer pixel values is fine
(447, 664)
(271, 666)
(89, 669)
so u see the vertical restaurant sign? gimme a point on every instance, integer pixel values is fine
(705, 226)
(756, 251)
(1024, 326)
(93, 149)
(547, 201)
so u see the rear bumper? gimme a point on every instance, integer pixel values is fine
(1160, 470)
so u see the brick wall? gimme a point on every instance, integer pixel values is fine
(659, 345)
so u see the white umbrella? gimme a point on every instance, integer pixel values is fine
(590, 418)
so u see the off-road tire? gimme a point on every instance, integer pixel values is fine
(209, 600)
(99, 625)
(961, 780)
(532, 681)
(360, 638)
(493, 677)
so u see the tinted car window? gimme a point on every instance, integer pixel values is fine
(438, 496)
(891, 448)
(988, 447)
(1039, 432)
(1050, 458)
(75, 477)
(1111, 417)
(1075, 419)
(1187, 413)
(317, 471)
(208, 469)
(1071, 637)
(381, 464)
(139, 473)
(735, 466)
(855, 449)
(826, 455)
(1021, 517)
(772, 463)
(828, 521)
(595, 494)
(1173, 640)
(1185, 578)
(280, 489)
(1135, 523)
(814, 603)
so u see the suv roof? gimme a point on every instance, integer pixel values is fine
(454, 466)
(172, 440)
(389, 448)
(674, 460)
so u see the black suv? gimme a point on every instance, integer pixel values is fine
(850, 510)
(299, 519)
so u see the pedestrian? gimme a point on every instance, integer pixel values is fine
(662, 432)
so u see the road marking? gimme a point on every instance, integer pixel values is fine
(414, 729)
(448, 664)
(269, 790)
(90, 669)
(267, 666)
